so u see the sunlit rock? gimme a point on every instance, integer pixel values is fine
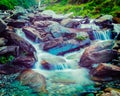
(105, 21)
(97, 53)
(106, 70)
(57, 31)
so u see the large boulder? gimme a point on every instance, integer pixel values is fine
(22, 43)
(100, 52)
(35, 35)
(59, 31)
(33, 79)
(106, 70)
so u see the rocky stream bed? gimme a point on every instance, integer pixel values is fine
(48, 54)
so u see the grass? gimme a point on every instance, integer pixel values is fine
(92, 9)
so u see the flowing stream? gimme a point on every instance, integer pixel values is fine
(67, 77)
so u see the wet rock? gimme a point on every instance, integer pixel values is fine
(24, 61)
(31, 16)
(33, 79)
(66, 47)
(52, 43)
(70, 23)
(18, 23)
(46, 65)
(9, 49)
(59, 31)
(2, 26)
(17, 40)
(105, 21)
(97, 53)
(42, 23)
(3, 41)
(104, 18)
(40, 17)
(35, 35)
(106, 70)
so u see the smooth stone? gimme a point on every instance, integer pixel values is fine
(33, 79)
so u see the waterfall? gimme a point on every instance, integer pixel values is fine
(56, 62)
(102, 35)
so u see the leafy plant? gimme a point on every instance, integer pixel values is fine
(6, 59)
(81, 38)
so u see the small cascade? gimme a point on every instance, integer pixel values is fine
(57, 62)
(102, 35)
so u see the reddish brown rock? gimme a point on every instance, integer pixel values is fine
(106, 70)
(52, 43)
(42, 23)
(33, 34)
(97, 53)
(46, 65)
(33, 79)
(22, 43)
(24, 61)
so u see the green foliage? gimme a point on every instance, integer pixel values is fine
(5, 60)
(81, 38)
(91, 8)
(9, 4)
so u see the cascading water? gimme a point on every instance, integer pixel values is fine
(102, 35)
(66, 77)
(58, 62)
